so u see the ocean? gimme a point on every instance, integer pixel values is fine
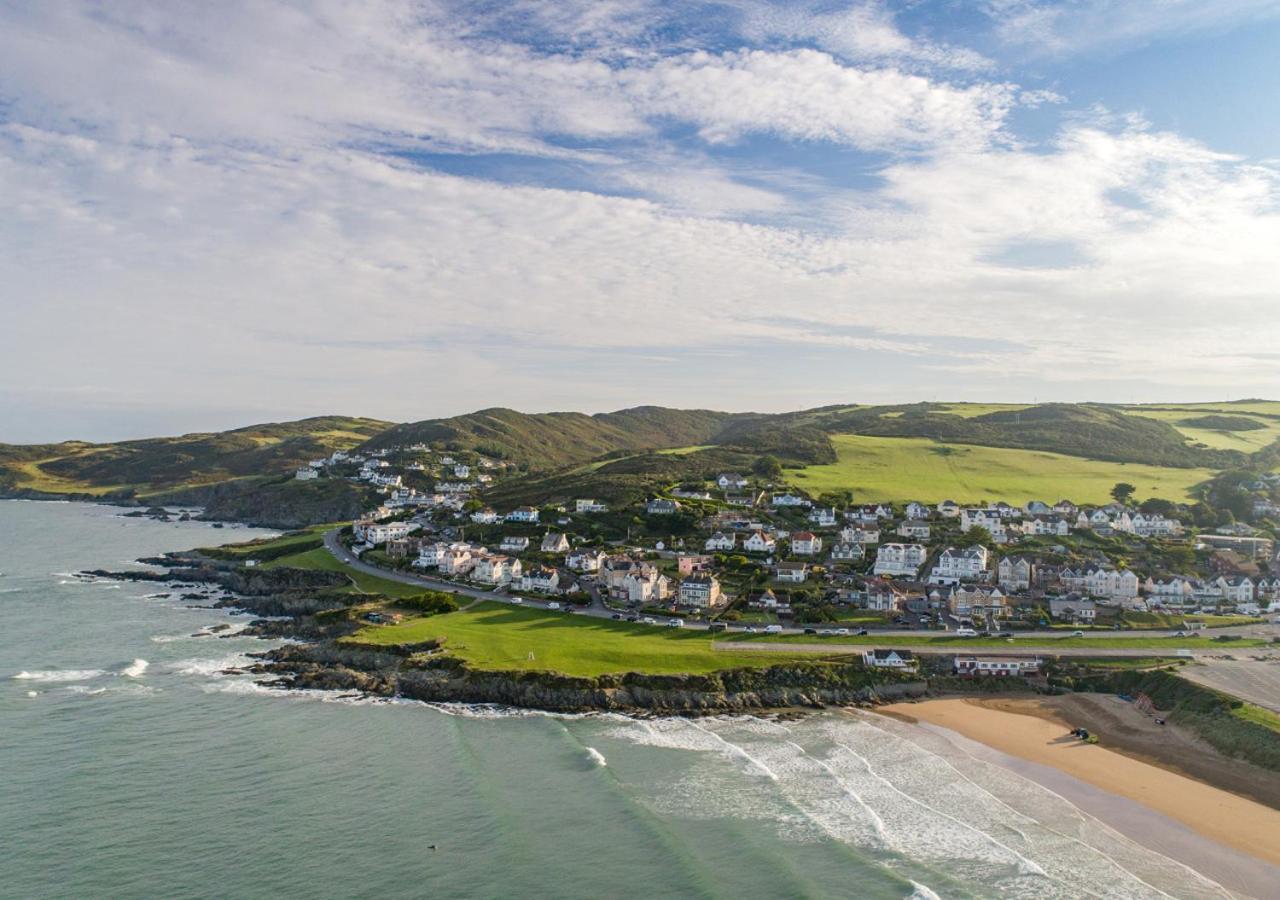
(130, 767)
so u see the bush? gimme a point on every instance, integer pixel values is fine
(429, 602)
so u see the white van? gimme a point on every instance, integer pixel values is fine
(966, 632)
(773, 629)
(554, 604)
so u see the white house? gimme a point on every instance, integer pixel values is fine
(806, 543)
(948, 509)
(514, 543)
(699, 591)
(457, 560)
(1172, 591)
(917, 510)
(585, 560)
(889, 659)
(722, 541)
(845, 551)
(730, 481)
(1235, 591)
(794, 572)
(484, 516)
(589, 505)
(660, 506)
(381, 532)
(306, 473)
(1073, 609)
(978, 603)
(914, 529)
(542, 579)
(1046, 525)
(646, 585)
(1153, 525)
(523, 514)
(1014, 573)
(554, 542)
(860, 535)
(759, 542)
(496, 569)
(956, 565)
(823, 517)
(900, 559)
(989, 519)
(996, 666)
(788, 500)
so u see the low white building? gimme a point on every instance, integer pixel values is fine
(514, 543)
(759, 542)
(523, 514)
(889, 659)
(721, 541)
(554, 542)
(793, 572)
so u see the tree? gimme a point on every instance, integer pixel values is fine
(769, 467)
(973, 537)
(1122, 492)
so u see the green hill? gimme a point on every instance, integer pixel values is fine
(152, 465)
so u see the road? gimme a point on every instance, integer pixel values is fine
(1023, 645)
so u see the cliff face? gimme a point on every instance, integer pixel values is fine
(423, 676)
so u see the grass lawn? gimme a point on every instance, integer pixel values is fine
(320, 558)
(1172, 645)
(1245, 441)
(249, 549)
(878, 468)
(498, 636)
(1258, 716)
(972, 410)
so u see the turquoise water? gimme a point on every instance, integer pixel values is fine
(131, 768)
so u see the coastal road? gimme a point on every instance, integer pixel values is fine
(1022, 645)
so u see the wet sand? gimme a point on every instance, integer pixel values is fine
(1121, 789)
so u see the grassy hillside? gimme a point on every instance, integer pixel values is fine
(877, 468)
(154, 465)
(550, 440)
(1247, 431)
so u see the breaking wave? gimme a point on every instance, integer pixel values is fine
(54, 676)
(135, 668)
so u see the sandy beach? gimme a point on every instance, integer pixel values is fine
(1035, 730)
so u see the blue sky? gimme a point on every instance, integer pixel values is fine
(221, 214)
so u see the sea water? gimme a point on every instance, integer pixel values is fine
(131, 765)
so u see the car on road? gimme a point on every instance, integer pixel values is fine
(554, 604)
(675, 623)
(649, 620)
(811, 631)
(842, 631)
(633, 618)
(750, 629)
(861, 631)
(616, 616)
(516, 599)
(717, 626)
(1005, 634)
(1077, 633)
(773, 629)
(966, 632)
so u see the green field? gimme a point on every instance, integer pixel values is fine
(971, 410)
(878, 468)
(1244, 441)
(498, 636)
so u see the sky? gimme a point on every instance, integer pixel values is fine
(213, 215)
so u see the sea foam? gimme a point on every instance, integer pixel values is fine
(52, 676)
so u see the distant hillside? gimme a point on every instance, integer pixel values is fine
(154, 464)
(550, 440)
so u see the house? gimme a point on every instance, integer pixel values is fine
(554, 542)
(496, 569)
(699, 591)
(765, 600)
(860, 535)
(1073, 609)
(687, 563)
(1038, 526)
(989, 519)
(889, 659)
(589, 505)
(948, 509)
(461, 471)
(1175, 590)
(306, 473)
(996, 666)
(1155, 525)
(660, 506)
(400, 548)
(1112, 584)
(514, 543)
(1013, 573)
(730, 481)
(542, 579)
(899, 559)
(917, 510)
(847, 552)
(823, 517)
(1038, 508)
(788, 500)
(523, 514)
(759, 542)
(955, 565)
(585, 560)
(721, 541)
(1236, 590)
(881, 596)
(806, 543)
(1065, 508)
(381, 532)
(645, 584)
(914, 529)
(457, 560)
(978, 603)
(794, 572)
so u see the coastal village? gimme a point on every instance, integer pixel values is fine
(749, 552)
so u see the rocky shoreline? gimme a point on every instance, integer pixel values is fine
(304, 607)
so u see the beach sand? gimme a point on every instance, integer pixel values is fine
(1035, 730)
